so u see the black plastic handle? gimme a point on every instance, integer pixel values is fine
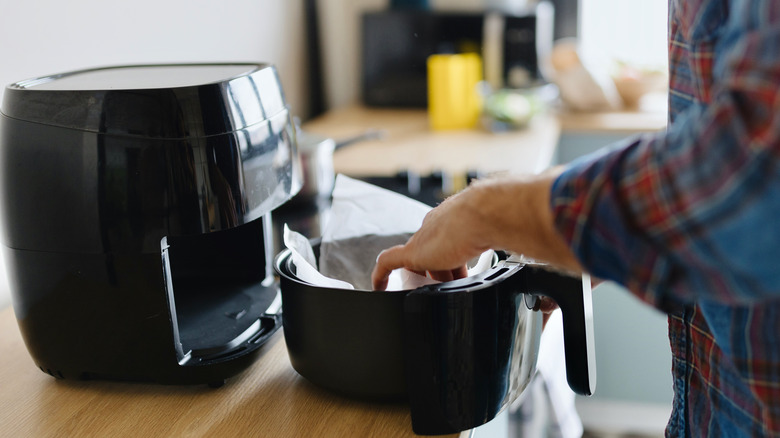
(461, 339)
(573, 296)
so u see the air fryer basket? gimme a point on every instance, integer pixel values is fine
(459, 351)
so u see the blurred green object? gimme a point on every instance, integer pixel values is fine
(510, 109)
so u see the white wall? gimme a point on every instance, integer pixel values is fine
(640, 24)
(40, 37)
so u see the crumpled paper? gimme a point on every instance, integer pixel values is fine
(364, 220)
(303, 258)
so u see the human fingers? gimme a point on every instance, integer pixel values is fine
(450, 274)
(394, 258)
(460, 272)
(547, 305)
(442, 275)
(387, 261)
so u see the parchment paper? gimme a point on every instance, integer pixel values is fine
(364, 220)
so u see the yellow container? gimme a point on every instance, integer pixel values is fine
(454, 101)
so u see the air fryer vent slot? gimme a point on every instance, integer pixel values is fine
(467, 286)
(496, 274)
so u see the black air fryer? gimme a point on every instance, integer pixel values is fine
(137, 227)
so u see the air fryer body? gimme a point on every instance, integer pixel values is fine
(137, 221)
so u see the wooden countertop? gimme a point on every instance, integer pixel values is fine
(650, 115)
(267, 399)
(409, 144)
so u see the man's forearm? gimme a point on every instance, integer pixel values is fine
(518, 218)
(510, 213)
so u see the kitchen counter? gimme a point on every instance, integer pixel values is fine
(409, 144)
(650, 115)
(267, 399)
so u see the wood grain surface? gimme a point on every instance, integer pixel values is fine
(268, 399)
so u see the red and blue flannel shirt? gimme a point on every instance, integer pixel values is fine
(689, 219)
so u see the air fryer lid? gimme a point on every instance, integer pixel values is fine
(160, 101)
(162, 150)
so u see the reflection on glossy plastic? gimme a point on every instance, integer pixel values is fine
(471, 352)
(137, 217)
(157, 101)
(138, 77)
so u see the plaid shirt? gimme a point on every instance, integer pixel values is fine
(689, 219)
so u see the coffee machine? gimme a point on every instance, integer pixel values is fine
(136, 217)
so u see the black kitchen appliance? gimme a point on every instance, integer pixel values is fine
(136, 205)
(397, 43)
(459, 351)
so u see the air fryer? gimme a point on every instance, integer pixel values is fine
(137, 227)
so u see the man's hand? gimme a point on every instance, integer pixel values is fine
(449, 237)
(511, 213)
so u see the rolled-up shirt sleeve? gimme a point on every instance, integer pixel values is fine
(693, 212)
